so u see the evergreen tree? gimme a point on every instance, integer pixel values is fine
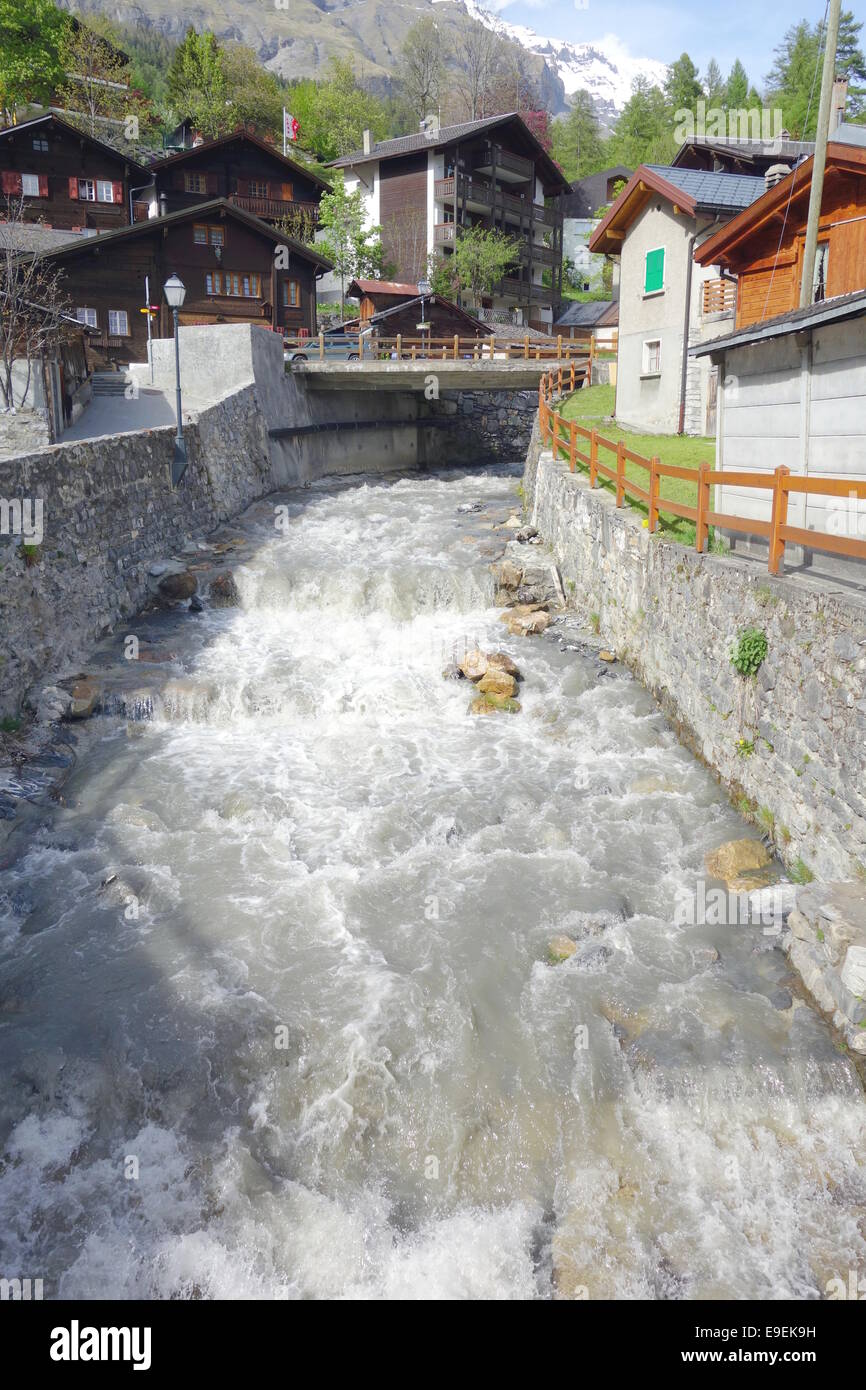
(197, 85)
(737, 88)
(643, 133)
(682, 86)
(578, 147)
(714, 85)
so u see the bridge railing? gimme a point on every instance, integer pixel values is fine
(402, 348)
(562, 437)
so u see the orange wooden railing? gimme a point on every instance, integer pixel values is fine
(562, 436)
(719, 296)
(374, 346)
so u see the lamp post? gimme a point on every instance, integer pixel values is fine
(424, 288)
(175, 293)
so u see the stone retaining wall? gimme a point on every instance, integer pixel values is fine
(109, 511)
(791, 744)
(491, 426)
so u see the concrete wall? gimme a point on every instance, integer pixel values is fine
(673, 616)
(652, 403)
(798, 401)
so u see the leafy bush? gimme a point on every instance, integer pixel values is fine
(749, 652)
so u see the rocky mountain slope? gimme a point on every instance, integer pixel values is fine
(296, 38)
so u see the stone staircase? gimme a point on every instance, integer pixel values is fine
(109, 383)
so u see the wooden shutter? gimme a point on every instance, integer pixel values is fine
(117, 192)
(244, 188)
(654, 277)
(177, 179)
(287, 192)
(11, 181)
(211, 183)
(73, 188)
(43, 185)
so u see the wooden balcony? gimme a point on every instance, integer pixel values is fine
(481, 194)
(718, 297)
(524, 292)
(444, 233)
(276, 208)
(513, 168)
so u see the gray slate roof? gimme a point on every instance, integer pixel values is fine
(714, 192)
(587, 315)
(32, 236)
(848, 134)
(405, 144)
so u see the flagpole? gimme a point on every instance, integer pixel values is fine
(284, 132)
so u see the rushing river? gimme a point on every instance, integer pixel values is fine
(277, 1016)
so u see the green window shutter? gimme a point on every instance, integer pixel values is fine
(654, 278)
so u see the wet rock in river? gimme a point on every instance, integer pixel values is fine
(223, 591)
(497, 682)
(84, 699)
(452, 672)
(736, 859)
(474, 664)
(174, 588)
(502, 662)
(560, 948)
(52, 704)
(527, 624)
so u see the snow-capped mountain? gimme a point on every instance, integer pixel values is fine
(606, 69)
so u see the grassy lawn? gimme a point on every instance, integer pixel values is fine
(590, 407)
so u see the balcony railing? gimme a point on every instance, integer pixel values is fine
(444, 233)
(492, 156)
(719, 296)
(276, 207)
(527, 294)
(482, 194)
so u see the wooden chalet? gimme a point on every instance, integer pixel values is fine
(252, 174)
(226, 258)
(68, 179)
(762, 247)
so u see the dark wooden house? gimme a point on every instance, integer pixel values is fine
(442, 319)
(375, 295)
(246, 170)
(762, 248)
(67, 178)
(235, 267)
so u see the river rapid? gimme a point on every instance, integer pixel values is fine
(277, 1013)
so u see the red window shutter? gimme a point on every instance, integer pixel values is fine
(211, 183)
(73, 188)
(43, 185)
(287, 192)
(11, 181)
(117, 192)
(244, 188)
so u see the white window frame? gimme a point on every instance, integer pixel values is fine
(101, 185)
(85, 196)
(114, 331)
(40, 144)
(646, 369)
(87, 316)
(29, 192)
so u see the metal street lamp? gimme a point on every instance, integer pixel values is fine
(424, 288)
(175, 293)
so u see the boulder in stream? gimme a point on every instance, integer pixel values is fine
(223, 591)
(497, 682)
(736, 861)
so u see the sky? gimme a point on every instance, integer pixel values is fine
(740, 29)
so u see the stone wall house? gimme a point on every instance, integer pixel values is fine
(666, 303)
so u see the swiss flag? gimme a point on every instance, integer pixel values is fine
(292, 126)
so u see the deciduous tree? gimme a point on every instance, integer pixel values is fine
(354, 247)
(32, 33)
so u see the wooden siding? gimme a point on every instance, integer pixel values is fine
(232, 170)
(113, 277)
(770, 273)
(402, 204)
(69, 157)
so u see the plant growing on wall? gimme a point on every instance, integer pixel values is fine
(749, 652)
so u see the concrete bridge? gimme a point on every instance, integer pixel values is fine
(450, 375)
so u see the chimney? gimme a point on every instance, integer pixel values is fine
(163, 205)
(368, 142)
(840, 101)
(775, 174)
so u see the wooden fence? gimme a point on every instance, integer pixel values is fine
(372, 346)
(562, 436)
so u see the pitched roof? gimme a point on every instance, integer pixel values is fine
(383, 287)
(689, 191)
(595, 313)
(759, 153)
(220, 205)
(842, 306)
(79, 134)
(450, 135)
(587, 195)
(32, 236)
(432, 299)
(207, 145)
(732, 241)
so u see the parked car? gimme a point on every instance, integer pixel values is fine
(339, 347)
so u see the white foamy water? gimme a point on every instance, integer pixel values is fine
(307, 1042)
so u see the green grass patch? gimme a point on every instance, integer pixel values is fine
(590, 407)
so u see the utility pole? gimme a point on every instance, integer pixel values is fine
(820, 159)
